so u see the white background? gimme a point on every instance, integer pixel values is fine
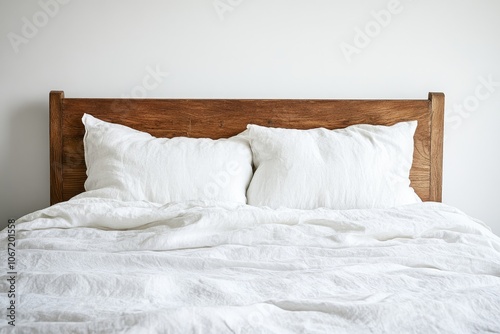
(259, 49)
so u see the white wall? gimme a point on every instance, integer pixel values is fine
(259, 49)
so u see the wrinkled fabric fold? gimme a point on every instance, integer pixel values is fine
(104, 266)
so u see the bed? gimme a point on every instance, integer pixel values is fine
(275, 216)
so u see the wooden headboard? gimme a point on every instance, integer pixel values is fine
(220, 118)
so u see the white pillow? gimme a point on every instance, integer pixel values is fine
(362, 166)
(131, 165)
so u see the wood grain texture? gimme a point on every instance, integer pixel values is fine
(437, 134)
(56, 147)
(222, 118)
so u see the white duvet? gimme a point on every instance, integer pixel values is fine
(104, 266)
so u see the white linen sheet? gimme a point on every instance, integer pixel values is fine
(105, 266)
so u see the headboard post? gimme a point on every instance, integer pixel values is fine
(56, 146)
(437, 134)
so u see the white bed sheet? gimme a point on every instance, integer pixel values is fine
(105, 266)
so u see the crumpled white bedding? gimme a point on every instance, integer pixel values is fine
(105, 266)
